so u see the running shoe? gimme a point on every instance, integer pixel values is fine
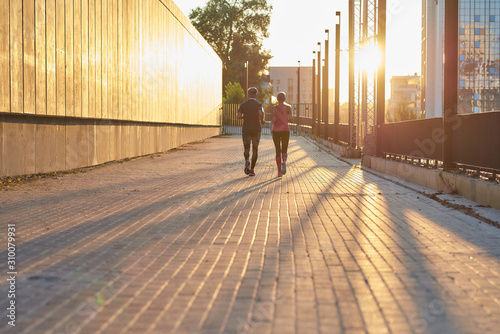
(247, 167)
(283, 167)
(251, 173)
(280, 174)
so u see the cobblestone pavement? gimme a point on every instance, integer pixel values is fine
(184, 242)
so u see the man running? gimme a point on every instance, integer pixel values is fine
(252, 114)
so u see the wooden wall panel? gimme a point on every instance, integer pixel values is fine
(140, 69)
(40, 60)
(104, 59)
(137, 60)
(50, 21)
(77, 58)
(109, 59)
(16, 56)
(4, 57)
(29, 77)
(98, 56)
(134, 59)
(85, 58)
(114, 59)
(70, 44)
(156, 54)
(120, 51)
(143, 30)
(92, 59)
(127, 90)
(60, 60)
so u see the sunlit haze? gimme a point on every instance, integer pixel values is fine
(297, 26)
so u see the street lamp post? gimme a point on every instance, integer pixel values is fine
(246, 84)
(318, 90)
(298, 99)
(325, 85)
(313, 126)
(337, 80)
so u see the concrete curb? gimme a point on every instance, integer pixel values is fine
(480, 191)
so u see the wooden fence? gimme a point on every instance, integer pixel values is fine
(134, 60)
(86, 82)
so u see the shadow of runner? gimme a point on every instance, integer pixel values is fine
(89, 263)
(415, 262)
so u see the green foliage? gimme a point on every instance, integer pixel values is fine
(265, 93)
(235, 29)
(234, 93)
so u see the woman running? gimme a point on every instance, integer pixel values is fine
(281, 114)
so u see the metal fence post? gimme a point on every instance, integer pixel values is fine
(314, 106)
(380, 112)
(352, 142)
(298, 100)
(318, 92)
(325, 86)
(337, 81)
(450, 79)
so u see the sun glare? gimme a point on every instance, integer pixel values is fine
(368, 58)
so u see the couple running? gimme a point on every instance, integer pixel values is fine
(252, 113)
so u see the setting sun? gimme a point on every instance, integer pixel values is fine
(368, 58)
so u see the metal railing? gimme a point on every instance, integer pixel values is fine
(298, 125)
(475, 143)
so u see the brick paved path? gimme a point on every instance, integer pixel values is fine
(184, 242)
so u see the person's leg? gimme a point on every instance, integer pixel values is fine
(247, 139)
(277, 146)
(285, 138)
(255, 137)
(284, 151)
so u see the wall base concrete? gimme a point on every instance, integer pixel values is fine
(39, 144)
(480, 191)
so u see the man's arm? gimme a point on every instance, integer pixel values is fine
(239, 115)
(261, 116)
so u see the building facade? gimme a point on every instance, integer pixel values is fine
(284, 79)
(405, 91)
(479, 56)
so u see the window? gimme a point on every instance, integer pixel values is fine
(477, 31)
(492, 70)
(462, 57)
(492, 18)
(476, 44)
(462, 83)
(462, 31)
(477, 18)
(476, 110)
(476, 97)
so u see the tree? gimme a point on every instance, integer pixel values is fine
(403, 112)
(234, 93)
(235, 29)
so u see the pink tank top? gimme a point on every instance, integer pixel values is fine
(281, 120)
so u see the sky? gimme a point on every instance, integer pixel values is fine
(297, 26)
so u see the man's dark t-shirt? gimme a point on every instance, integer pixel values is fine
(250, 110)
